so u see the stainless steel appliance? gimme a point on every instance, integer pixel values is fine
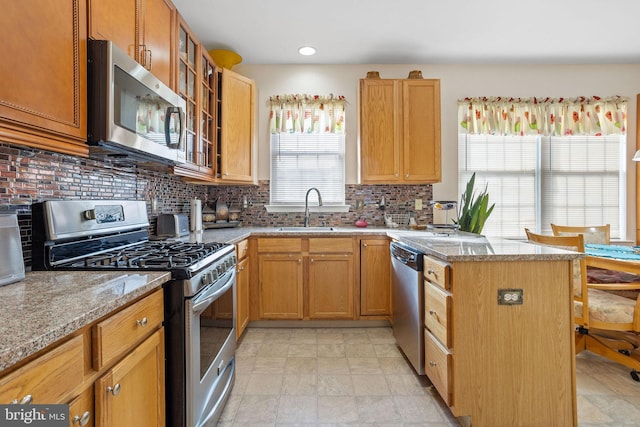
(11, 260)
(408, 303)
(133, 116)
(199, 299)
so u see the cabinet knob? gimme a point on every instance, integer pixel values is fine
(142, 322)
(406, 176)
(81, 420)
(432, 312)
(432, 363)
(24, 401)
(115, 390)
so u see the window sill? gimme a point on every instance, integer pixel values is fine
(300, 208)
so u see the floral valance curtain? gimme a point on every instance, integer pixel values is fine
(306, 114)
(543, 116)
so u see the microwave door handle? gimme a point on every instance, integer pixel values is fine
(167, 128)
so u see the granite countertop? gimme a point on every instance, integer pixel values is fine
(458, 246)
(47, 306)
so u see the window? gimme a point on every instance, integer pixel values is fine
(546, 160)
(307, 151)
(538, 180)
(301, 161)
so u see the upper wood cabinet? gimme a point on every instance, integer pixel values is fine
(43, 89)
(235, 127)
(400, 131)
(144, 29)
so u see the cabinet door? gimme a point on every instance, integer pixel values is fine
(242, 292)
(116, 20)
(157, 48)
(375, 278)
(331, 286)
(132, 392)
(81, 411)
(421, 130)
(380, 130)
(236, 127)
(43, 69)
(280, 286)
(188, 52)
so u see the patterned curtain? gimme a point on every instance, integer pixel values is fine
(543, 116)
(306, 114)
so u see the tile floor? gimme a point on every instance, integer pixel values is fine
(358, 377)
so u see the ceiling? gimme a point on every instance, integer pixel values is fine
(420, 31)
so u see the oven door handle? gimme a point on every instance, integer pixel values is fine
(203, 300)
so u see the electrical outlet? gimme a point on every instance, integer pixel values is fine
(359, 204)
(510, 296)
(418, 204)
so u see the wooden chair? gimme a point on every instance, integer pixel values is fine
(606, 324)
(600, 234)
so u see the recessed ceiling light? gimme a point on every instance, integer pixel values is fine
(306, 50)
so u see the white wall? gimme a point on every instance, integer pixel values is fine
(456, 81)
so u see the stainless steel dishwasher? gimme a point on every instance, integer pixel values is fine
(408, 303)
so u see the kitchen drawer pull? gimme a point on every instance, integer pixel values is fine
(433, 312)
(432, 363)
(114, 390)
(430, 271)
(25, 400)
(142, 322)
(82, 420)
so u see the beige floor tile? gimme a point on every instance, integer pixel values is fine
(330, 377)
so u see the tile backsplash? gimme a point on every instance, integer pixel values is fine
(29, 175)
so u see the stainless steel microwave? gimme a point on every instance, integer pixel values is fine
(133, 116)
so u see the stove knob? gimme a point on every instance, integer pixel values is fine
(205, 279)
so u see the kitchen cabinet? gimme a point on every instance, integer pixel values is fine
(306, 278)
(130, 392)
(280, 278)
(113, 369)
(235, 128)
(43, 92)
(375, 277)
(400, 131)
(331, 278)
(242, 287)
(145, 29)
(480, 350)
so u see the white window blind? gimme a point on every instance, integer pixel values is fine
(538, 180)
(301, 161)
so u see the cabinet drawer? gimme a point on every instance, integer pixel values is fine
(437, 272)
(242, 249)
(48, 379)
(278, 244)
(331, 244)
(437, 306)
(437, 366)
(120, 332)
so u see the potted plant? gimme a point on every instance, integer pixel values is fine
(474, 208)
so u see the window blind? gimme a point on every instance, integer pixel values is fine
(301, 161)
(535, 180)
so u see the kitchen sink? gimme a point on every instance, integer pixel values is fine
(306, 229)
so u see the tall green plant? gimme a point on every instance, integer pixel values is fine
(474, 208)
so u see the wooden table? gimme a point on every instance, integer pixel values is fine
(624, 259)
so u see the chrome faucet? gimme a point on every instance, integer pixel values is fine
(306, 204)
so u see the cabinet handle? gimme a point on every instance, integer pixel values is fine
(25, 400)
(365, 245)
(432, 363)
(114, 390)
(82, 420)
(311, 260)
(430, 271)
(142, 322)
(432, 312)
(406, 176)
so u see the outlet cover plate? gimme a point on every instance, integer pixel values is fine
(510, 296)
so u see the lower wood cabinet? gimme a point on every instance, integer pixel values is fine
(242, 287)
(375, 277)
(120, 384)
(306, 278)
(128, 394)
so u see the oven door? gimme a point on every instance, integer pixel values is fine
(210, 337)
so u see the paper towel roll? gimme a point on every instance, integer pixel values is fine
(195, 224)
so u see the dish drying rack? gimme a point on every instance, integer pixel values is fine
(396, 220)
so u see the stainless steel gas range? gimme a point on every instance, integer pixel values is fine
(199, 299)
